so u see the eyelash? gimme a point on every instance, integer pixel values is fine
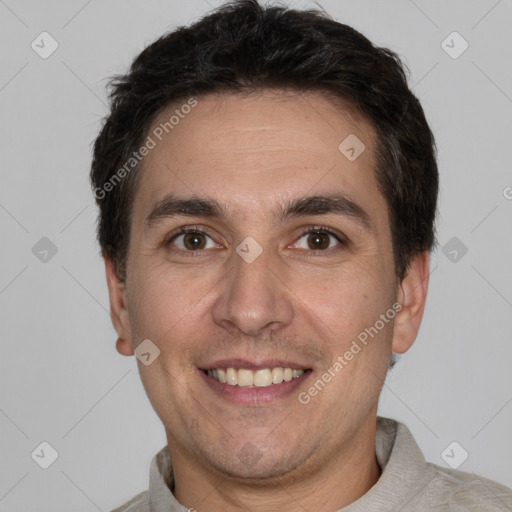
(341, 239)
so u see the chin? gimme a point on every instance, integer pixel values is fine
(255, 467)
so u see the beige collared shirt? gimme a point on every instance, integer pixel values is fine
(407, 483)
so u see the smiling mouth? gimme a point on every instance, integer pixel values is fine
(261, 378)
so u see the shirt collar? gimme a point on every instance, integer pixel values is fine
(161, 481)
(404, 473)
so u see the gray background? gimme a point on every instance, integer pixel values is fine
(61, 380)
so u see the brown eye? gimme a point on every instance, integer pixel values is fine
(318, 240)
(193, 240)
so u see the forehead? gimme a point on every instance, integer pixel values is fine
(259, 149)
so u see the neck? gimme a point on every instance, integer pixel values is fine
(327, 485)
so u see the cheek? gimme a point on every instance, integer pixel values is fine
(166, 310)
(164, 302)
(348, 299)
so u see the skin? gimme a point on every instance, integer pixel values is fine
(252, 154)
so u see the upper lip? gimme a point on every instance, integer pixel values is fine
(253, 365)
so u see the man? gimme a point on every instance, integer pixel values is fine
(267, 186)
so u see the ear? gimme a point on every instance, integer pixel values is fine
(412, 294)
(118, 311)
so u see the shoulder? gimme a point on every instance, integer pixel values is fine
(454, 490)
(139, 503)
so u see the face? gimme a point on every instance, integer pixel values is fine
(259, 252)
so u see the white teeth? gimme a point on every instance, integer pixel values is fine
(277, 375)
(231, 377)
(221, 375)
(263, 378)
(245, 377)
(248, 378)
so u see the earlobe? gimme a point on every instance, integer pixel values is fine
(412, 294)
(118, 310)
(124, 347)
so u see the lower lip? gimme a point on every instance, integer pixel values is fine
(254, 396)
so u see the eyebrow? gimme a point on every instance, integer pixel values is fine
(172, 206)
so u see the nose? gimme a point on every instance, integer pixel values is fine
(254, 298)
